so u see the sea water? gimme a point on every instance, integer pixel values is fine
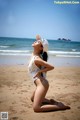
(18, 47)
(22, 46)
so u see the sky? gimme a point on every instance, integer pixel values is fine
(26, 18)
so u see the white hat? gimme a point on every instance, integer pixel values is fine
(45, 44)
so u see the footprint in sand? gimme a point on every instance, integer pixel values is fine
(1, 101)
(12, 110)
(23, 111)
(78, 107)
(59, 88)
(66, 87)
(26, 105)
(24, 90)
(14, 118)
(14, 102)
(64, 118)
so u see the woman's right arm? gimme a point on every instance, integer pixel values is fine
(47, 66)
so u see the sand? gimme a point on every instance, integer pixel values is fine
(16, 88)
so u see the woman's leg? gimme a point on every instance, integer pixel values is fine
(38, 98)
(45, 100)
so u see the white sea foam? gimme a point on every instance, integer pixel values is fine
(4, 46)
(15, 54)
(63, 53)
(28, 52)
(14, 51)
(77, 56)
(73, 49)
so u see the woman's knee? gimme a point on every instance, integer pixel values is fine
(36, 108)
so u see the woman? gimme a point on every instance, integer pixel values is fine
(42, 85)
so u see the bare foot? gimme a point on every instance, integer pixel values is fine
(59, 104)
(62, 106)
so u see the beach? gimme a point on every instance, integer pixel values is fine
(16, 85)
(48, 29)
(16, 88)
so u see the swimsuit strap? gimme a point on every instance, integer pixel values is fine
(35, 56)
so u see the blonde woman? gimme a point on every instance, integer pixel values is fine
(37, 67)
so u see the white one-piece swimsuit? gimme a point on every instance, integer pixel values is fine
(33, 69)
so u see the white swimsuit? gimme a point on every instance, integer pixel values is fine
(33, 69)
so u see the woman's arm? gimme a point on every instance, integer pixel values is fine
(40, 62)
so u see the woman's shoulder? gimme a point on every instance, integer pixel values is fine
(37, 57)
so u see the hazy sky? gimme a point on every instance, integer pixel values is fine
(26, 18)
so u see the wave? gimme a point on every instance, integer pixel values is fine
(15, 54)
(52, 53)
(73, 50)
(68, 56)
(4, 46)
(15, 51)
(63, 53)
(7, 46)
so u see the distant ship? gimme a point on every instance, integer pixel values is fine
(63, 39)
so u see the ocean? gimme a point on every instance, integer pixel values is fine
(10, 47)
(22, 46)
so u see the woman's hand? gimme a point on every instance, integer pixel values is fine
(47, 67)
(37, 74)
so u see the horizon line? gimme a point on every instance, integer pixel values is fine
(34, 38)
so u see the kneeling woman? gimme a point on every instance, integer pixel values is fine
(35, 68)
